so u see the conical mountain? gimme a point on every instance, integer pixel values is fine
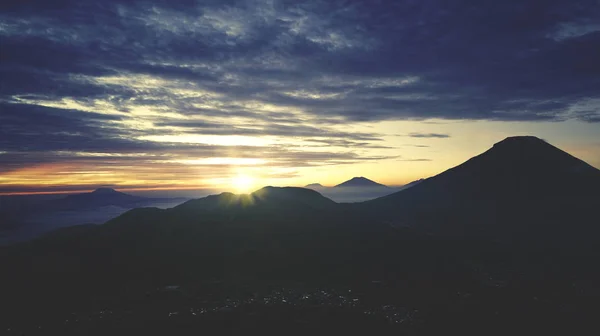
(521, 187)
(314, 185)
(97, 198)
(360, 182)
(357, 189)
(105, 191)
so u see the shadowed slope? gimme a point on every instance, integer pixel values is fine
(295, 237)
(520, 187)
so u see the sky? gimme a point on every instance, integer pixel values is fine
(234, 95)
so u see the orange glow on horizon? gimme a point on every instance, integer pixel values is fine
(294, 162)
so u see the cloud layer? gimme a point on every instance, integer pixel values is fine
(168, 81)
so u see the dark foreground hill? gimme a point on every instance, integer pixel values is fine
(288, 260)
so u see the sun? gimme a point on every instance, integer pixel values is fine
(242, 183)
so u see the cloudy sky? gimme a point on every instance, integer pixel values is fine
(214, 94)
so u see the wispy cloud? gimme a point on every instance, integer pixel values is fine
(295, 80)
(428, 135)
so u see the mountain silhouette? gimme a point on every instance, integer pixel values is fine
(269, 212)
(97, 198)
(357, 189)
(274, 199)
(359, 182)
(314, 185)
(503, 240)
(521, 187)
(106, 191)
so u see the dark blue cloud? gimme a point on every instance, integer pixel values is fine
(429, 135)
(507, 60)
(301, 70)
(38, 128)
(272, 129)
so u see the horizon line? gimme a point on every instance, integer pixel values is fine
(125, 189)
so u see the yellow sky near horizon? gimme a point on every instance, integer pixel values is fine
(235, 96)
(405, 158)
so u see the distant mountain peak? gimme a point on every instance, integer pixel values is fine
(314, 185)
(360, 181)
(524, 140)
(105, 191)
(532, 138)
(533, 153)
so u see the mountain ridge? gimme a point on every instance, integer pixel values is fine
(436, 246)
(542, 186)
(96, 198)
(314, 185)
(356, 189)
